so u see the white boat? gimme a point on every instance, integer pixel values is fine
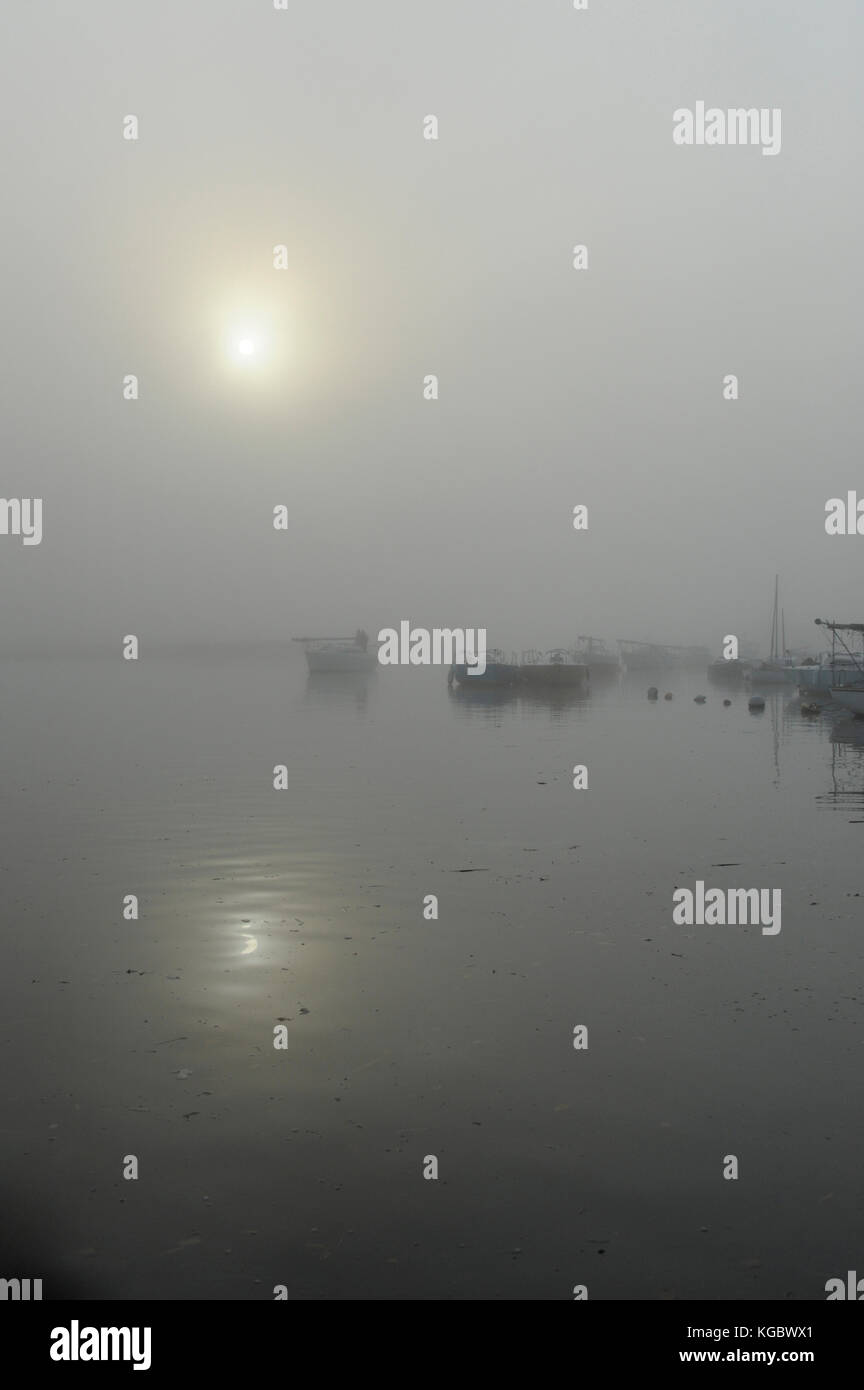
(838, 670)
(830, 671)
(333, 655)
(849, 697)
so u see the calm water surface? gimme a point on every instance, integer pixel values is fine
(407, 1037)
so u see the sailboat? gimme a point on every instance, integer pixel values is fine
(778, 669)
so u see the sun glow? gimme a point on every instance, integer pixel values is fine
(246, 348)
(251, 341)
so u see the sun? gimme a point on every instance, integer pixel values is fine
(249, 340)
(247, 345)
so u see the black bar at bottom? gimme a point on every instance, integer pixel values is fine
(227, 1339)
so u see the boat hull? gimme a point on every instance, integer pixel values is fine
(848, 697)
(555, 674)
(334, 661)
(825, 678)
(731, 671)
(772, 675)
(496, 673)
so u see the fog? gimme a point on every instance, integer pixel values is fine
(409, 257)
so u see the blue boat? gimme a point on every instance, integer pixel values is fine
(497, 672)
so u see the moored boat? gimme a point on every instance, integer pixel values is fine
(558, 669)
(497, 671)
(849, 697)
(731, 670)
(338, 655)
(771, 673)
(838, 671)
(829, 672)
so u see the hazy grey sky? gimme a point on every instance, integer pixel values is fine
(409, 257)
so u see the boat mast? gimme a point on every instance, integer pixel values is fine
(774, 624)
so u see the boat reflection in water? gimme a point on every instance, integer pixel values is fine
(556, 701)
(487, 701)
(345, 688)
(847, 765)
(483, 702)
